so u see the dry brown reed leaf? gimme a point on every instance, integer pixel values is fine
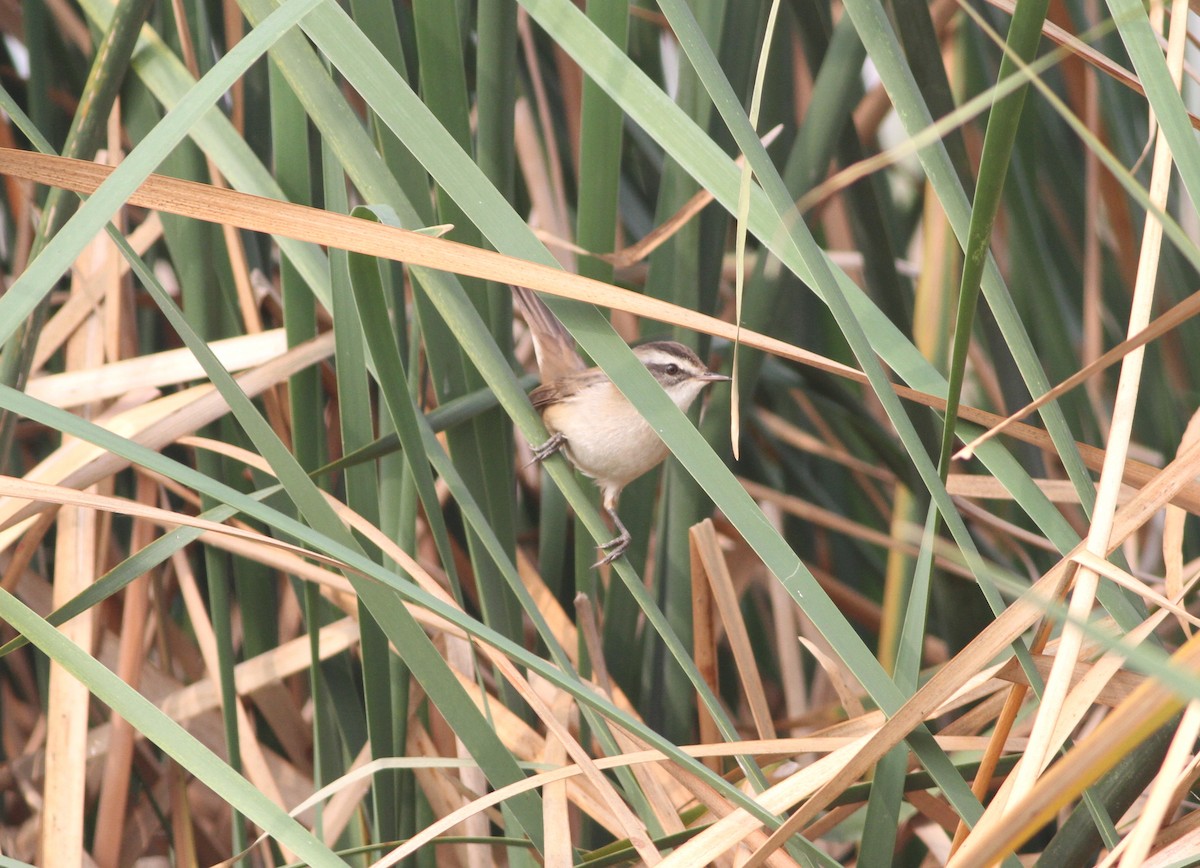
(255, 213)
(820, 517)
(1160, 802)
(556, 818)
(1150, 706)
(38, 492)
(153, 424)
(1080, 698)
(847, 687)
(76, 551)
(1093, 57)
(802, 440)
(704, 650)
(254, 762)
(1138, 587)
(168, 368)
(1169, 321)
(86, 296)
(112, 804)
(187, 703)
(707, 551)
(990, 488)
(1005, 629)
(1052, 706)
(1177, 843)
(664, 794)
(1173, 524)
(1116, 687)
(68, 699)
(1183, 791)
(789, 662)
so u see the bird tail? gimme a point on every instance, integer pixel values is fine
(552, 343)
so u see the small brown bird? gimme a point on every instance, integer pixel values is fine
(595, 426)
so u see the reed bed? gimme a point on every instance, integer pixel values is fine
(279, 583)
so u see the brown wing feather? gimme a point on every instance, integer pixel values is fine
(557, 391)
(552, 343)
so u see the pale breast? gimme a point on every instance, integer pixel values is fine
(606, 438)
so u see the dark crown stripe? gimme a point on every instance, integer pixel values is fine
(677, 351)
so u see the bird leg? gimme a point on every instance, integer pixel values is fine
(615, 548)
(555, 444)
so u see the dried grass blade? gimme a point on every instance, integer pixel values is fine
(1160, 799)
(1146, 709)
(155, 424)
(1170, 320)
(704, 539)
(168, 368)
(118, 762)
(1083, 596)
(704, 647)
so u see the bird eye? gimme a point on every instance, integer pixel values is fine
(672, 370)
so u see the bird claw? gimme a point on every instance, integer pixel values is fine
(555, 444)
(615, 548)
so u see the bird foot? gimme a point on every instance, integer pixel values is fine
(554, 444)
(615, 548)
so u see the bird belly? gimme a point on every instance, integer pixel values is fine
(611, 448)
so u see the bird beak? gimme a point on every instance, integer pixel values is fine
(713, 377)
